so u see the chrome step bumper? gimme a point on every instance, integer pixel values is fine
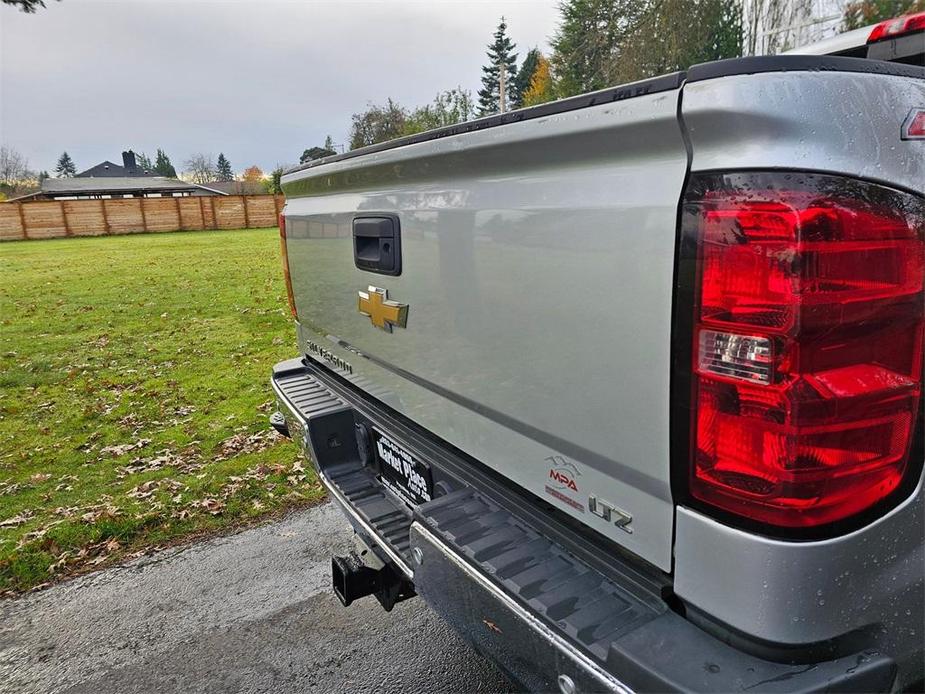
(551, 620)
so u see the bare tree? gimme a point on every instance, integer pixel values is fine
(200, 168)
(772, 26)
(14, 167)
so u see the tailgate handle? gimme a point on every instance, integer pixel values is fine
(377, 244)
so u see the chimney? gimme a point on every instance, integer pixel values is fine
(128, 161)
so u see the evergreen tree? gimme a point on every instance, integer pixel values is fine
(586, 44)
(162, 165)
(329, 143)
(500, 52)
(223, 168)
(602, 43)
(675, 34)
(65, 167)
(144, 162)
(313, 153)
(521, 82)
(42, 176)
(274, 184)
(27, 6)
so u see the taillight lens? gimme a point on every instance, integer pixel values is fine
(900, 26)
(285, 257)
(914, 126)
(807, 343)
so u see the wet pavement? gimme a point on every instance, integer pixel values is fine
(250, 612)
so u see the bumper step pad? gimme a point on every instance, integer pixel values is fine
(327, 416)
(389, 518)
(572, 597)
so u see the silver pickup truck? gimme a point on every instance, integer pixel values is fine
(628, 386)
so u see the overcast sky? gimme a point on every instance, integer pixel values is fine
(259, 80)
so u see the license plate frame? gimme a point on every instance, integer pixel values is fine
(406, 476)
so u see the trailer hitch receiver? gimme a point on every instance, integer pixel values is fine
(353, 579)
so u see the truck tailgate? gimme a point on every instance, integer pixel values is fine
(537, 262)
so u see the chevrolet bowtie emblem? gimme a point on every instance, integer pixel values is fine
(382, 312)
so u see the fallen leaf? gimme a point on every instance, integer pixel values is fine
(247, 443)
(66, 511)
(123, 448)
(143, 490)
(100, 512)
(10, 488)
(20, 519)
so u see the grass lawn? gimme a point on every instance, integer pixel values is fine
(134, 396)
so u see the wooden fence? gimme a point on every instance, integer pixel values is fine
(58, 218)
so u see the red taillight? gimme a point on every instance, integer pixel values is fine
(285, 258)
(914, 126)
(807, 343)
(899, 26)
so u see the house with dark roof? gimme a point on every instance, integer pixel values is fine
(107, 169)
(107, 187)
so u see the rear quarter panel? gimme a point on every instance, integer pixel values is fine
(801, 592)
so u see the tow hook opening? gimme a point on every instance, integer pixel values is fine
(352, 578)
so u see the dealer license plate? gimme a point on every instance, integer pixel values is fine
(401, 472)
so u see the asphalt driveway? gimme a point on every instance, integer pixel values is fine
(251, 612)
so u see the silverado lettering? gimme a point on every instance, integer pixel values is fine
(328, 356)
